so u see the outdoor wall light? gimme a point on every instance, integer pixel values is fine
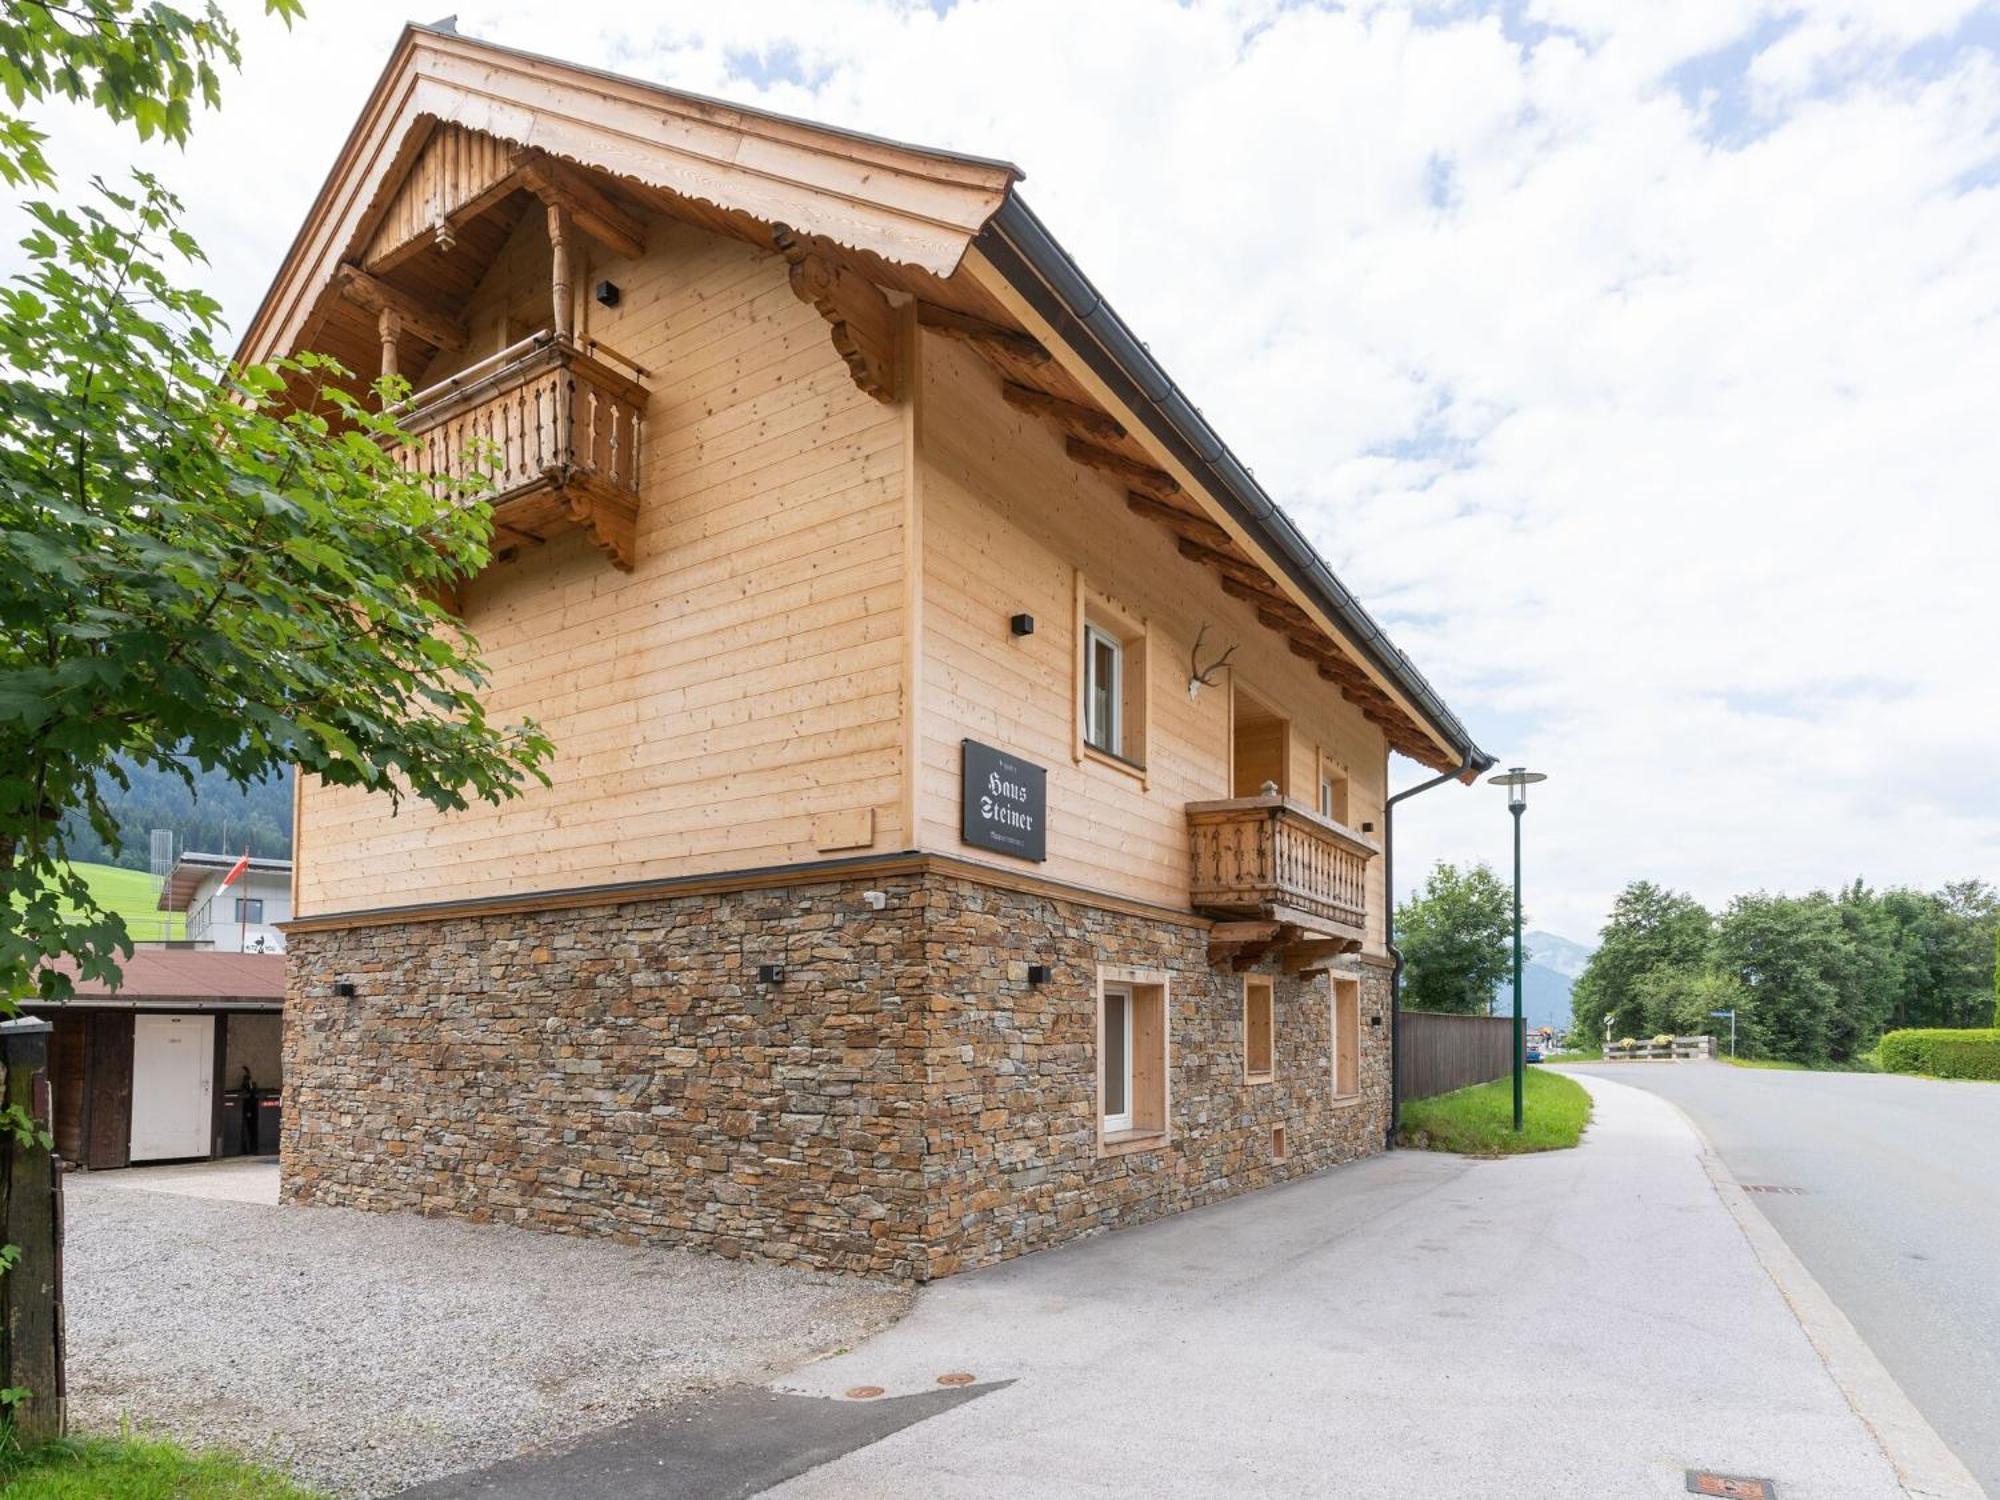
(1022, 624)
(1038, 973)
(608, 293)
(345, 989)
(770, 973)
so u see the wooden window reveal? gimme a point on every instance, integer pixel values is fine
(1259, 1046)
(1113, 694)
(1346, 1010)
(1132, 1102)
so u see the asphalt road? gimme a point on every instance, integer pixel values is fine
(1896, 1213)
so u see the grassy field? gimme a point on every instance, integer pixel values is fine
(132, 893)
(132, 1468)
(1479, 1121)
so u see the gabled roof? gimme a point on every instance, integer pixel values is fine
(948, 230)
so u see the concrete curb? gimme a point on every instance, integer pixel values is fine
(1925, 1466)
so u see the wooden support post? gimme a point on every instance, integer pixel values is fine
(31, 1292)
(559, 283)
(389, 325)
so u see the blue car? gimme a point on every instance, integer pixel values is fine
(1534, 1054)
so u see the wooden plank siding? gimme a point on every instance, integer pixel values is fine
(746, 678)
(821, 597)
(1007, 521)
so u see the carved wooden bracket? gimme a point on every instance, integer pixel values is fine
(560, 185)
(863, 322)
(411, 316)
(606, 514)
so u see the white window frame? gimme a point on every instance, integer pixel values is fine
(1112, 741)
(1120, 995)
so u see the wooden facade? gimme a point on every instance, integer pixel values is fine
(785, 456)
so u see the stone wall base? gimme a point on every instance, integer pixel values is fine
(904, 1103)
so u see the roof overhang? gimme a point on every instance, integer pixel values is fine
(934, 225)
(908, 206)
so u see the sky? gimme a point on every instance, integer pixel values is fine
(1637, 364)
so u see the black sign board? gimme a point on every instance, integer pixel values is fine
(1006, 802)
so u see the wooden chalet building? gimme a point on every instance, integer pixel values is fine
(966, 813)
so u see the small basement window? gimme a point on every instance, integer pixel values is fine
(1346, 1038)
(1131, 1059)
(1258, 1047)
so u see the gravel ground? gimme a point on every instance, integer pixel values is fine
(367, 1352)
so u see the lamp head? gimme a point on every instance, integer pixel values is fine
(1517, 781)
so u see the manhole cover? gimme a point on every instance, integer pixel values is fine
(1733, 1486)
(870, 1392)
(956, 1377)
(1770, 1187)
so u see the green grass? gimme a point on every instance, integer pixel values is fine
(1479, 1121)
(138, 1468)
(133, 894)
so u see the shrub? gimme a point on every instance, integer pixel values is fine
(1943, 1054)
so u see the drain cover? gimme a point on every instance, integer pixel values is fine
(1771, 1187)
(1731, 1486)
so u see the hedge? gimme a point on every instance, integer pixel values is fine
(1943, 1054)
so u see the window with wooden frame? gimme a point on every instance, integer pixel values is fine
(1132, 1102)
(1333, 800)
(1111, 679)
(1259, 1030)
(1346, 1013)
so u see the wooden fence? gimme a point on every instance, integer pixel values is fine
(1437, 1053)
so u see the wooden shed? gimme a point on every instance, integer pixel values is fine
(140, 1073)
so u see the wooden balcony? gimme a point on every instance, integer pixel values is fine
(564, 430)
(1276, 875)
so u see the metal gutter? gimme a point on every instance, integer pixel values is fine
(1016, 242)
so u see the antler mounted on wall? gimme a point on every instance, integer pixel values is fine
(1198, 675)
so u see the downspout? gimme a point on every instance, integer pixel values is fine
(1471, 762)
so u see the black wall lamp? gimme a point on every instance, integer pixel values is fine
(608, 293)
(1038, 973)
(345, 989)
(770, 973)
(1022, 624)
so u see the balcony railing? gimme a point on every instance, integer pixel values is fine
(1269, 858)
(561, 431)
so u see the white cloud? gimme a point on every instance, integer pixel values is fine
(1637, 364)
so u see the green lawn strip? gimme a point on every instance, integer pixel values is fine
(134, 895)
(1775, 1064)
(1479, 1121)
(138, 1468)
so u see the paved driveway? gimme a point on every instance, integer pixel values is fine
(1896, 1213)
(1590, 1322)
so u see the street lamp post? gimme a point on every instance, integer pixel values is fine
(1517, 781)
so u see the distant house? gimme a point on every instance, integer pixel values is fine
(965, 827)
(140, 1073)
(242, 916)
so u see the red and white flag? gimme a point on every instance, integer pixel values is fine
(235, 870)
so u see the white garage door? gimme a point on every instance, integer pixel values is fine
(173, 1061)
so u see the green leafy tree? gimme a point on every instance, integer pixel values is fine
(1456, 937)
(202, 567)
(1680, 1001)
(1793, 954)
(1651, 929)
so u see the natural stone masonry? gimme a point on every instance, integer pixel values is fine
(903, 1103)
